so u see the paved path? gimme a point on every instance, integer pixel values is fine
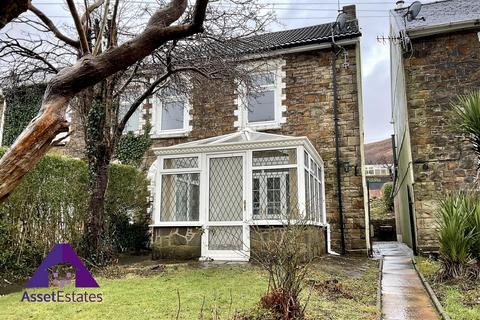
(403, 294)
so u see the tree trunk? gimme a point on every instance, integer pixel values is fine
(98, 156)
(10, 9)
(96, 248)
(32, 144)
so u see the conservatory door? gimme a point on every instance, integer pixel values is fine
(226, 235)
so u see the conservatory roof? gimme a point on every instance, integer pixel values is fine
(246, 139)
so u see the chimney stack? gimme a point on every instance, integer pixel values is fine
(350, 11)
(400, 4)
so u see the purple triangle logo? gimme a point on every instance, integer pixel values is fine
(62, 253)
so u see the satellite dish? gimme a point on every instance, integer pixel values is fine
(341, 21)
(413, 11)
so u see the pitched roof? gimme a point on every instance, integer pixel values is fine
(297, 37)
(441, 13)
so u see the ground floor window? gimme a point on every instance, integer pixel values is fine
(273, 193)
(180, 197)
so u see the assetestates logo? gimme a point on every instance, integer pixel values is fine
(61, 255)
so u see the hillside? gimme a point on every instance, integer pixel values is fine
(379, 152)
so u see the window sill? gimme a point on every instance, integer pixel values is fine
(164, 135)
(265, 125)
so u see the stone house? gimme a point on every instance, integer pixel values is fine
(240, 161)
(434, 58)
(224, 167)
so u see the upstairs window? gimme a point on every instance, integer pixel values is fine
(171, 114)
(134, 124)
(260, 103)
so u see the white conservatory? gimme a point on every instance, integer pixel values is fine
(226, 184)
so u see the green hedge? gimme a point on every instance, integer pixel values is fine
(49, 206)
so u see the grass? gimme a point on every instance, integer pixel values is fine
(226, 289)
(460, 300)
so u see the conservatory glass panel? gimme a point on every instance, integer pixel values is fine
(180, 197)
(274, 193)
(226, 189)
(225, 238)
(180, 163)
(274, 157)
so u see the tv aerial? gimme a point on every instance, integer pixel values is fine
(340, 26)
(413, 11)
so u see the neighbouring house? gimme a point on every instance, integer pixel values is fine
(378, 166)
(226, 172)
(434, 58)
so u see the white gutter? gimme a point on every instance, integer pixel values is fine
(443, 28)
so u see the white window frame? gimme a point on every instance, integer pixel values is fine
(157, 113)
(263, 190)
(139, 109)
(168, 172)
(272, 66)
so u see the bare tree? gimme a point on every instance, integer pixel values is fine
(116, 69)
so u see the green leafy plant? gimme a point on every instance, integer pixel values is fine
(131, 148)
(458, 237)
(50, 204)
(466, 118)
(387, 196)
(23, 104)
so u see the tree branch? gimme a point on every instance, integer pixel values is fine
(90, 9)
(36, 139)
(51, 26)
(98, 43)
(78, 25)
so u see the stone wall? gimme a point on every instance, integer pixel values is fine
(185, 243)
(309, 101)
(176, 243)
(313, 237)
(441, 68)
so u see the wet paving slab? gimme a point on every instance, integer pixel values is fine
(403, 294)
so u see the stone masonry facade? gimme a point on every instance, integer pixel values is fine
(309, 112)
(441, 68)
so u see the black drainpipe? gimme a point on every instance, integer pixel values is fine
(337, 150)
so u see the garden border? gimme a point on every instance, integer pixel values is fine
(379, 288)
(431, 293)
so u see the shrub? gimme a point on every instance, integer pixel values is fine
(458, 235)
(283, 253)
(49, 207)
(387, 196)
(466, 118)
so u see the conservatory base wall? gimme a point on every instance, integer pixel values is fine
(184, 243)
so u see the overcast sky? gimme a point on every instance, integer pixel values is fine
(373, 17)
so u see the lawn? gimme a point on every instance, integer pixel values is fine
(460, 299)
(146, 292)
